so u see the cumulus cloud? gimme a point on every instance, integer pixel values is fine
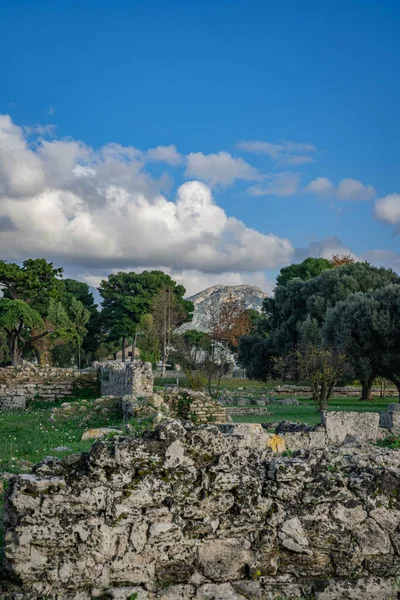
(101, 209)
(387, 209)
(347, 189)
(286, 152)
(280, 184)
(220, 169)
(166, 154)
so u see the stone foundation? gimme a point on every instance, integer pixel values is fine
(190, 513)
(23, 384)
(125, 379)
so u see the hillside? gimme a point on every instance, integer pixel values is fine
(251, 296)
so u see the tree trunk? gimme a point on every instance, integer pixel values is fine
(366, 388)
(397, 384)
(38, 357)
(123, 349)
(15, 352)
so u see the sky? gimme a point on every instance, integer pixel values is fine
(216, 140)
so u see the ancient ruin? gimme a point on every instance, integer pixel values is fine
(192, 512)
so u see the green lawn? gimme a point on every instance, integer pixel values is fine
(307, 413)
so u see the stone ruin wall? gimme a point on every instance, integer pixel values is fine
(134, 378)
(298, 390)
(191, 513)
(18, 385)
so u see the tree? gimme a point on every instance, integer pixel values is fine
(147, 340)
(309, 268)
(19, 320)
(94, 335)
(367, 326)
(128, 296)
(190, 350)
(338, 260)
(348, 329)
(296, 299)
(36, 282)
(323, 368)
(168, 313)
(230, 322)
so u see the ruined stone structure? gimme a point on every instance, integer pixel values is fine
(299, 390)
(192, 513)
(18, 385)
(125, 378)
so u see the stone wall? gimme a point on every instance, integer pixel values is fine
(299, 390)
(338, 428)
(197, 407)
(125, 379)
(247, 410)
(195, 514)
(22, 384)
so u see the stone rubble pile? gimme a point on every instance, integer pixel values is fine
(200, 512)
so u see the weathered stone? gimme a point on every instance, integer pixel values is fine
(362, 425)
(134, 378)
(192, 513)
(97, 434)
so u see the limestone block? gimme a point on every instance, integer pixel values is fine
(364, 426)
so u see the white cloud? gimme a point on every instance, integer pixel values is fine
(167, 154)
(221, 168)
(101, 209)
(388, 209)
(51, 110)
(286, 152)
(37, 129)
(281, 184)
(347, 189)
(324, 248)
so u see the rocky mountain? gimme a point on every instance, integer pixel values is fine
(251, 296)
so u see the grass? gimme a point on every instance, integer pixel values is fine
(307, 413)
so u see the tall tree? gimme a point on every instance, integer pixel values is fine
(128, 296)
(168, 314)
(31, 292)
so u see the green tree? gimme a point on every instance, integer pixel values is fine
(348, 329)
(169, 312)
(36, 282)
(19, 320)
(128, 296)
(94, 335)
(294, 301)
(147, 339)
(309, 268)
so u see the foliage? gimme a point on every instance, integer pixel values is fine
(189, 350)
(296, 300)
(339, 260)
(367, 328)
(391, 441)
(36, 282)
(129, 296)
(323, 368)
(168, 312)
(147, 340)
(229, 321)
(309, 268)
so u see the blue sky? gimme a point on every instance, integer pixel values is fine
(317, 83)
